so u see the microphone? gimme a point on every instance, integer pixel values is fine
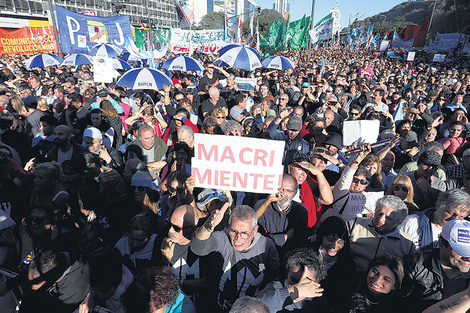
(373, 145)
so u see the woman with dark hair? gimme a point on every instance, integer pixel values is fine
(112, 116)
(332, 246)
(16, 137)
(100, 121)
(179, 191)
(181, 117)
(156, 290)
(378, 292)
(149, 116)
(209, 126)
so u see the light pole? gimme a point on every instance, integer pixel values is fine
(311, 26)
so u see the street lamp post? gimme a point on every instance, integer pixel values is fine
(311, 26)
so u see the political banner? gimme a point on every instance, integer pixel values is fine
(237, 163)
(384, 45)
(362, 131)
(28, 40)
(323, 30)
(417, 32)
(79, 33)
(245, 84)
(398, 42)
(207, 41)
(445, 42)
(411, 56)
(363, 203)
(439, 58)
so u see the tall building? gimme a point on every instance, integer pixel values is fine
(282, 6)
(161, 12)
(336, 16)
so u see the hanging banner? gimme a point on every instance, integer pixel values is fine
(445, 42)
(237, 163)
(398, 42)
(207, 41)
(27, 40)
(79, 32)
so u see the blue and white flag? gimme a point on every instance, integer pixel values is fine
(79, 32)
(398, 42)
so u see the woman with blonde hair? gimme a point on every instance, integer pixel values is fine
(42, 104)
(219, 115)
(402, 187)
(18, 105)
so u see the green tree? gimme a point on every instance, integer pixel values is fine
(212, 20)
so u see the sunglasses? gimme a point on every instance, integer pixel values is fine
(361, 181)
(220, 117)
(172, 189)
(400, 187)
(175, 227)
(38, 220)
(140, 188)
(354, 113)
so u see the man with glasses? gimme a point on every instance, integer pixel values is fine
(189, 269)
(246, 258)
(426, 186)
(284, 220)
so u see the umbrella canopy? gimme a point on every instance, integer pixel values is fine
(240, 56)
(278, 63)
(144, 78)
(43, 60)
(183, 63)
(105, 49)
(119, 64)
(77, 59)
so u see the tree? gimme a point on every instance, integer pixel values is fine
(212, 20)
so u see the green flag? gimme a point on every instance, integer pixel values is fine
(300, 37)
(281, 34)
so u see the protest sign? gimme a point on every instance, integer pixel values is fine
(439, 58)
(208, 41)
(362, 131)
(103, 69)
(411, 56)
(245, 84)
(79, 32)
(28, 40)
(363, 202)
(384, 45)
(237, 163)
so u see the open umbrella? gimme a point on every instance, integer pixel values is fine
(105, 49)
(278, 63)
(43, 60)
(144, 78)
(239, 56)
(77, 59)
(183, 63)
(119, 64)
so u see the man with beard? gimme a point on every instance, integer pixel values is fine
(64, 149)
(283, 220)
(189, 269)
(437, 274)
(426, 186)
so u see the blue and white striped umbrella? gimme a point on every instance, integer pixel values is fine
(105, 49)
(119, 64)
(43, 60)
(239, 56)
(144, 78)
(183, 63)
(278, 63)
(77, 59)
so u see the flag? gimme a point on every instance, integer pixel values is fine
(387, 32)
(417, 32)
(257, 37)
(300, 38)
(323, 30)
(322, 66)
(142, 27)
(237, 28)
(251, 36)
(398, 114)
(182, 17)
(398, 42)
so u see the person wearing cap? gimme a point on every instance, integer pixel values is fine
(247, 259)
(426, 186)
(413, 166)
(190, 270)
(334, 143)
(407, 150)
(291, 136)
(284, 220)
(425, 227)
(434, 275)
(93, 141)
(307, 96)
(103, 94)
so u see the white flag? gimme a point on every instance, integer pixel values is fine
(323, 30)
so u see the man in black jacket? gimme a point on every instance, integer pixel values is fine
(431, 276)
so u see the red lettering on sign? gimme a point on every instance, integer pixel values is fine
(227, 154)
(242, 151)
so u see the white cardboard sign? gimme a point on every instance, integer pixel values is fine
(362, 131)
(364, 202)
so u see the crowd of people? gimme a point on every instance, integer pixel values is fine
(99, 211)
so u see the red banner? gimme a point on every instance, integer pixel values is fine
(28, 40)
(419, 32)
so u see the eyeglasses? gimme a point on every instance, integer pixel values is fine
(220, 117)
(34, 219)
(286, 190)
(283, 99)
(172, 189)
(400, 187)
(243, 235)
(332, 102)
(177, 228)
(355, 113)
(361, 181)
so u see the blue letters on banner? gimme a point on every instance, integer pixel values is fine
(79, 33)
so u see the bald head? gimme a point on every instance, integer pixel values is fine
(63, 129)
(183, 223)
